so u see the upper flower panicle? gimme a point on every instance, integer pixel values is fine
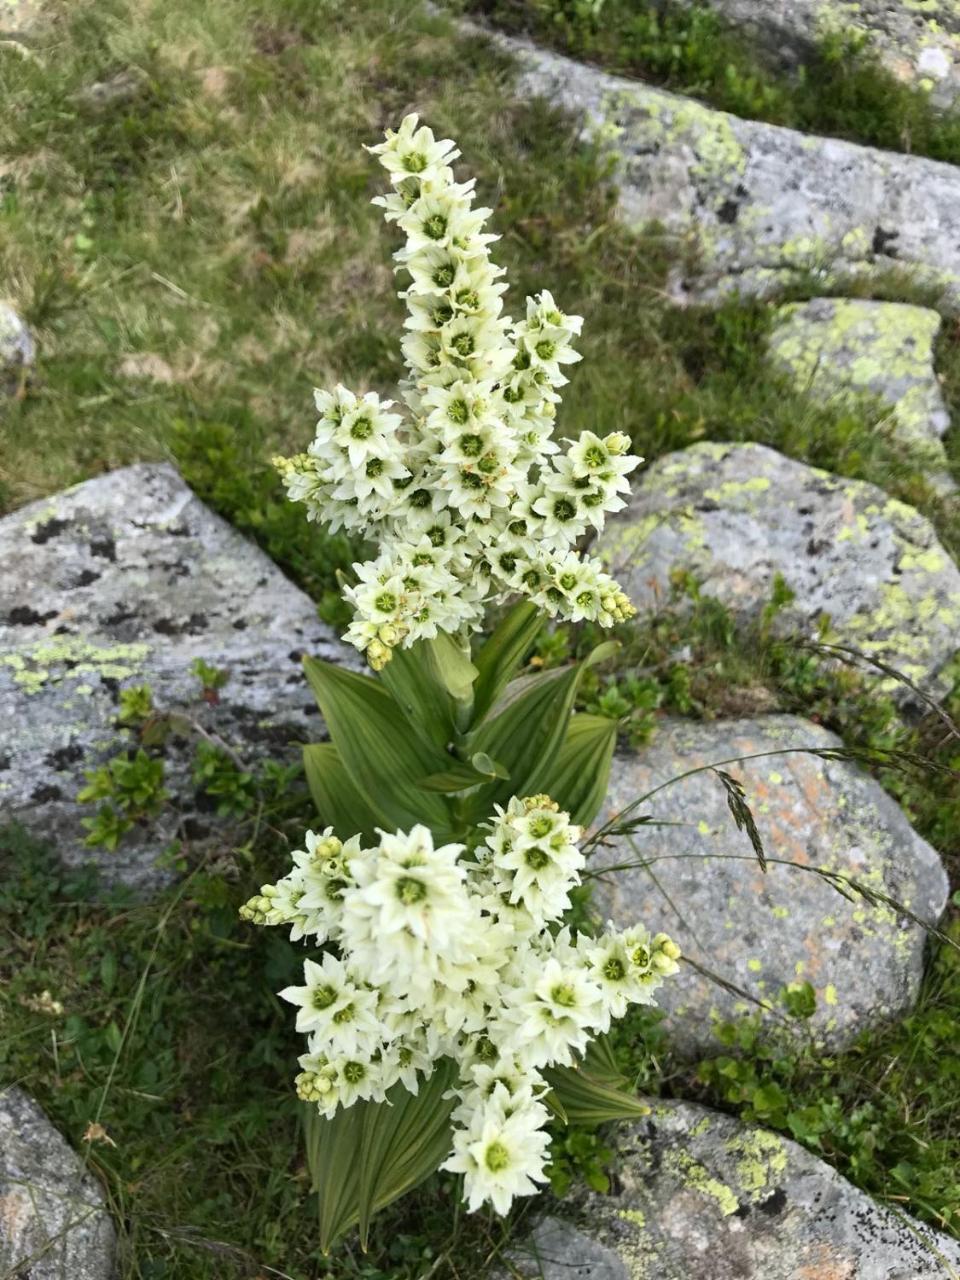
(472, 466)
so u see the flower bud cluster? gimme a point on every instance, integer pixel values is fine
(431, 954)
(467, 494)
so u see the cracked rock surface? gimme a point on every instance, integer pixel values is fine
(763, 931)
(53, 1219)
(127, 580)
(737, 515)
(696, 1195)
(759, 206)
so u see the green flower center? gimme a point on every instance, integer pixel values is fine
(362, 429)
(463, 344)
(568, 581)
(411, 891)
(443, 276)
(435, 226)
(324, 997)
(545, 349)
(471, 446)
(613, 970)
(344, 1015)
(496, 1157)
(488, 464)
(536, 859)
(512, 394)
(564, 995)
(540, 827)
(595, 456)
(442, 315)
(468, 299)
(354, 1072)
(375, 468)
(458, 411)
(470, 480)
(564, 509)
(420, 498)
(415, 162)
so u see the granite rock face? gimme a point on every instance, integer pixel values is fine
(917, 41)
(53, 1219)
(759, 206)
(843, 347)
(127, 580)
(736, 515)
(16, 350)
(763, 931)
(696, 1195)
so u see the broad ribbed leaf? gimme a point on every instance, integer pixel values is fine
(587, 1100)
(414, 680)
(339, 804)
(372, 1153)
(502, 653)
(577, 776)
(383, 759)
(526, 734)
(331, 1149)
(404, 1142)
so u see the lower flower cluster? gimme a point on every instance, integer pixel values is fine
(432, 954)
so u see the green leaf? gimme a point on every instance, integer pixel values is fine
(414, 682)
(578, 775)
(526, 734)
(372, 1153)
(339, 803)
(383, 759)
(460, 776)
(502, 653)
(588, 1099)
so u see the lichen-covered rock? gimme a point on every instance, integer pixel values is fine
(127, 580)
(16, 349)
(918, 41)
(696, 1195)
(53, 1218)
(737, 515)
(759, 205)
(763, 931)
(842, 347)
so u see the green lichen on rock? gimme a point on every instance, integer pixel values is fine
(761, 1160)
(691, 1173)
(61, 658)
(845, 349)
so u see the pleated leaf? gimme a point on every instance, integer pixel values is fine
(339, 804)
(415, 682)
(372, 1153)
(382, 758)
(585, 1102)
(577, 776)
(501, 655)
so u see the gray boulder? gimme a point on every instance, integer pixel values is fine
(736, 515)
(699, 1196)
(53, 1218)
(838, 348)
(917, 41)
(16, 350)
(123, 581)
(762, 931)
(759, 206)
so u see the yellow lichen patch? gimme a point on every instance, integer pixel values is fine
(698, 1178)
(761, 1159)
(69, 657)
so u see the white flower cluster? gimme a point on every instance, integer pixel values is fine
(437, 956)
(467, 497)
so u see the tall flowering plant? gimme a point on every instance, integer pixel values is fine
(449, 1010)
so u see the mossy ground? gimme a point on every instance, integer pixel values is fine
(193, 259)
